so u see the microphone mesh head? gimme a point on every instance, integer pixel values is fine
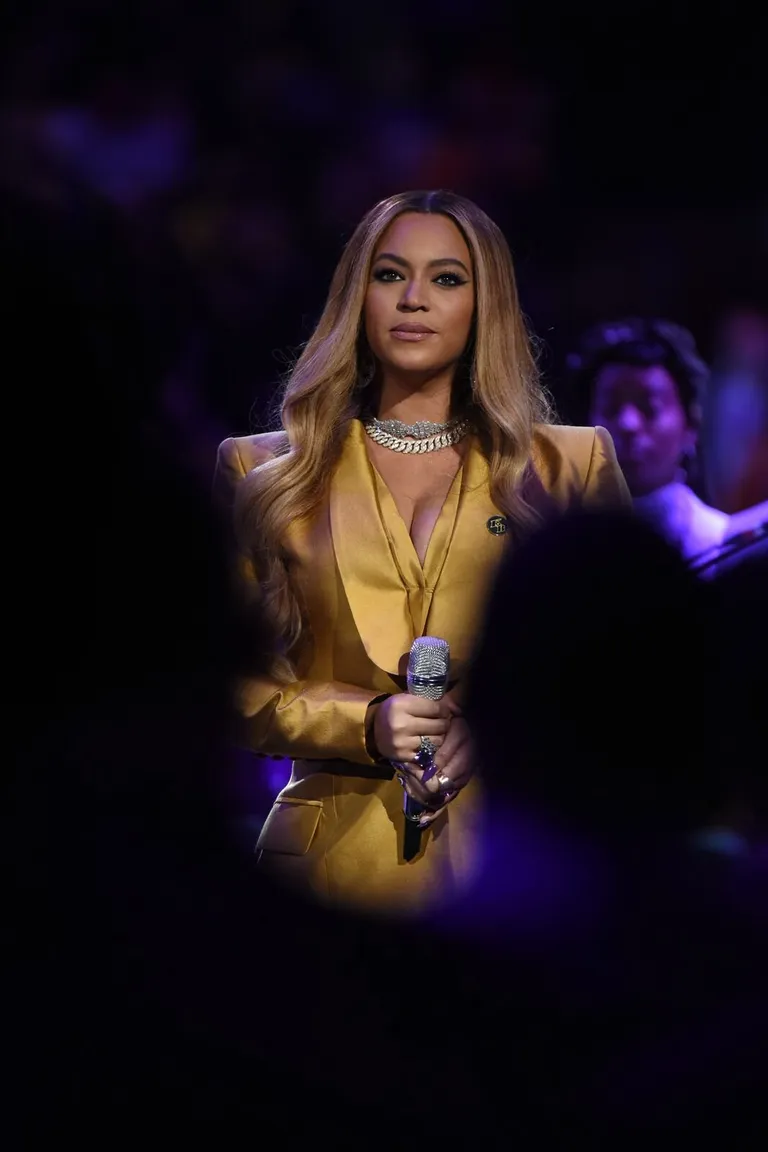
(428, 665)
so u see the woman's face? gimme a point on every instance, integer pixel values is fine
(421, 296)
(642, 410)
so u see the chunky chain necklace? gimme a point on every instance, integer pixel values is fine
(425, 436)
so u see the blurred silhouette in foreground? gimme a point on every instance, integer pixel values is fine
(632, 691)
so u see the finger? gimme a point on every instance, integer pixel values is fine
(408, 779)
(430, 770)
(427, 790)
(435, 787)
(461, 779)
(455, 698)
(425, 708)
(412, 771)
(409, 751)
(431, 785)
(445, 754)
(429, 766)
(434, 780)
(453, 748)
(414, 789)
(421, 726)
(459, 768)
(437, 739)
(430, 817)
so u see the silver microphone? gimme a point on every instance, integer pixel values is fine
(428, 666)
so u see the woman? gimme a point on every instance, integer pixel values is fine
(644, 380)
(362, 543)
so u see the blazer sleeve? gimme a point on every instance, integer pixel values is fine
(605, 486)
(306, 719)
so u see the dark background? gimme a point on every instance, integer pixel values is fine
(622, 151)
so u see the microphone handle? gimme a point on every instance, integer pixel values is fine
(412, 808)
(412, 830)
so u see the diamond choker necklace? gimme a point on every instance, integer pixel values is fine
(425, 436)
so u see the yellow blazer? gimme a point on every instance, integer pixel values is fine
(338, 825)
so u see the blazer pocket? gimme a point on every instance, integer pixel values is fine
(290, 827)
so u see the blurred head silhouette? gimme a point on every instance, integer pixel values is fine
(592, 692)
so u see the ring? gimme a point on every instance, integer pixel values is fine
(445, 783)
(426, 752)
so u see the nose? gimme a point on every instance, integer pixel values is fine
(629, 419)
(413, 297)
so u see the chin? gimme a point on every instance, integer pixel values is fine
(413, 361)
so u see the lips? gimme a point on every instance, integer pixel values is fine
(413, 332)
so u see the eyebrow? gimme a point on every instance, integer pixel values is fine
(432, 263)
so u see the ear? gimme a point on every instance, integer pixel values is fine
(693, 424)
(690, 440)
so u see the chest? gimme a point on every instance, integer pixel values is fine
(419, 485)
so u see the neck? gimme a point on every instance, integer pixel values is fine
(402, 398)
(644, 493)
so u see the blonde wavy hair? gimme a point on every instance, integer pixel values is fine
(499, 383)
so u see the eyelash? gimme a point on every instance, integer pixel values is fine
(455, 280)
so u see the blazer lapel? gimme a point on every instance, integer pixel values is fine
(377, 595)
(391, 600)
(475, 549)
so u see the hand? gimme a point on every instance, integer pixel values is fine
(456, 760)
(400, 722)
(455, 699)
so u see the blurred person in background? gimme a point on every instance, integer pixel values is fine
(643, 379)
(736, 411)
(416, 443)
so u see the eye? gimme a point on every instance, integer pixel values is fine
(449, 280)
(387, 275)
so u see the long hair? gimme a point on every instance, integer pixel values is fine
(323, 393)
